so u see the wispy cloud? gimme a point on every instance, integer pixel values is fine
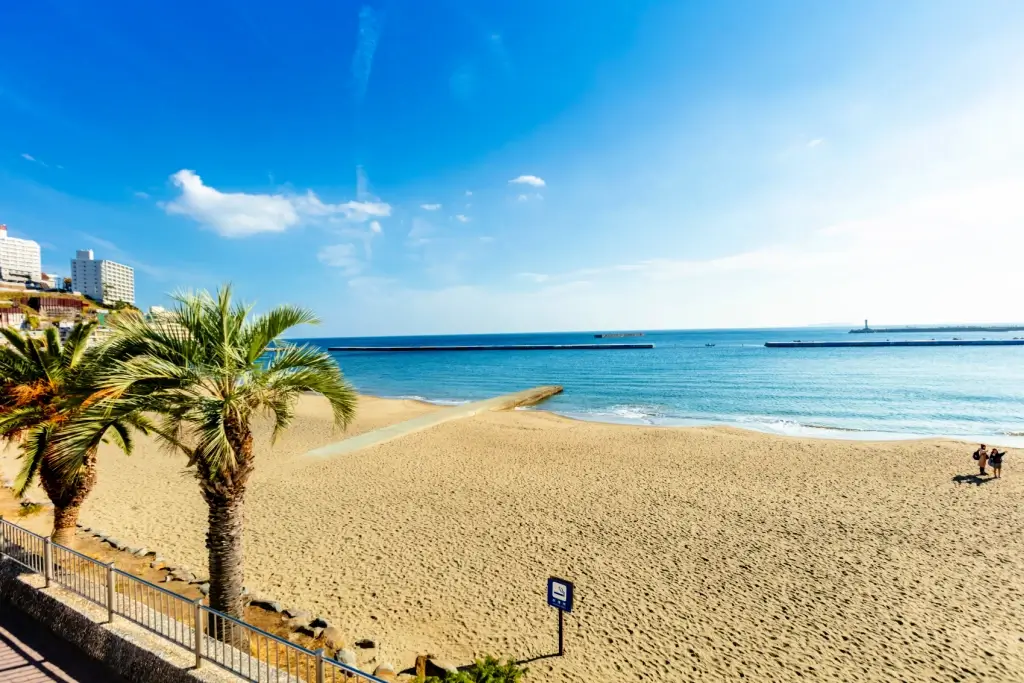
(141, 195)
(366, 46)
(240, 214)
(532, 196)
(162, 273)
(430, 207)
(528, 180)
(421, 233)
(469, 193)
(342, 256)
(462, 218)
(815, 142)
(29, 157)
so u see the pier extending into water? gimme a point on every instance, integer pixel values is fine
(498, 347)
(898, 342)
(519, 399)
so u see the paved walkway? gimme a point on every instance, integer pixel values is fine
(31, 654)
(527, 397)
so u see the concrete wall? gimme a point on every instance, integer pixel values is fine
(125, 648)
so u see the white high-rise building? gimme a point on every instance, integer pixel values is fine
(102, 280)
(19, 259)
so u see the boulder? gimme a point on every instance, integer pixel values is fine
(141, 552)
(114, 542)
(130, 550)
(269, 605)
(204, 588)
(293, 613)
(183, 575)
(385, 671)
(311, 631)
(439, 667)
(157, 557)
(296, 623)
(319, 622)
(154, 565)
(333, 638)
(366, 644)
(346, 657)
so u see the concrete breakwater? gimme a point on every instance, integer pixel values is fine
(497, 347)
(898, 342)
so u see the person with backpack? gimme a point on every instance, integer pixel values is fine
(981, 455)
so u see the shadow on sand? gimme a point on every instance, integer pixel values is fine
(975, 479)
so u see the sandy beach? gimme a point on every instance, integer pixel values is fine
(697, 553)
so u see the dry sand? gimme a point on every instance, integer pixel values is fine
(698, 554)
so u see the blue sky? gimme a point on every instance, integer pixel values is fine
(457, 166)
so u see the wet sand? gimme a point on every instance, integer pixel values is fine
(697, 553)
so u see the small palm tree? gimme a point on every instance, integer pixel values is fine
(45, 387)
(204, 371)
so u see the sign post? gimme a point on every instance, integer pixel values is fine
(560, 594)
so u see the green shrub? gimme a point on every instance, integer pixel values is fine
(486, 670)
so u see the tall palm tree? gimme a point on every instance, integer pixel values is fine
(45, 386)
(204, 371)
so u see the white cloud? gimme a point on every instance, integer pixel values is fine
(469, 193)
(462, 218)
(430, 207)
(528, 180)
(29, 157)
(815, 142)
(531, 196)
(142, 195)
(240, 214)
(375, 227)
(341, 256)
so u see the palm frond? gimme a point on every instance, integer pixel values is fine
(34, 450)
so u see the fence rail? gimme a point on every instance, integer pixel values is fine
(250, 653)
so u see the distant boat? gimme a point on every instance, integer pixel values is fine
(709, 345)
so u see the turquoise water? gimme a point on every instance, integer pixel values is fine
(963, 392)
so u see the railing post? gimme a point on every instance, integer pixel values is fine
(3, 537)
(320, 666)
(110, 592)
(47, 561)
(199, 630)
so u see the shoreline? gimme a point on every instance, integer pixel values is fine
(796, 431)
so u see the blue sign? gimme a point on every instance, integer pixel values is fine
(560, 594)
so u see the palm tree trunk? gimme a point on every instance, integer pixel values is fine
(67, 496)
(65, 520)
(224, 543)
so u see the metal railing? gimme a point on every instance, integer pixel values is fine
(250, 653)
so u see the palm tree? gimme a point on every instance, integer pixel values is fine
(45, 386)
(204, 371)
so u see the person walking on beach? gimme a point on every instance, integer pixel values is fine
(981, 455)
(996, 460)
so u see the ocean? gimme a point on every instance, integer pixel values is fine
(964, 392)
